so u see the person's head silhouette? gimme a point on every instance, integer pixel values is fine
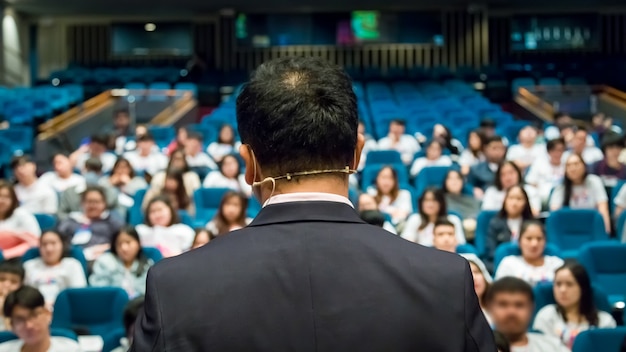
(298, 122)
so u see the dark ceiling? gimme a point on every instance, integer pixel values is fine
(143, 8)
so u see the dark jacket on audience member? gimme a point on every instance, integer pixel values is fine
(497, 234)
(481, 176)
(312, 276)
(102, 230)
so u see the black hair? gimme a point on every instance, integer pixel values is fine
(219, 136)
(586, 306)
(180, 151)
(100, 139)
(502, 343)
(122, 111)
(93, 165)
(299, 114)
(65, 251)
(497, 182)
(443, 221)
(221, 163)
(195, 136)
(54, 156)
(97, 189)
(612, 139)
(141, 257)
(19, 160)
(373, 217)
(439, 198)
(441, 142)
(481, 137)
(167, 200)
(492, 139)
(510, 284)
(15, 203)
(527, 212)
(13, 268)
(146, 137)
(400, 122)
(444, 187)
(123, 160)
(446, 140)
(532, 222)
(25, 296)
(553, 143)
(131, 312)
(569, 183)
(560, 114)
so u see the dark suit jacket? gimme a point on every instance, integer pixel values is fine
(312, 276)
(497, 234)
(481, 176)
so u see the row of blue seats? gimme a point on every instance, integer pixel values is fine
(519, 82)
(21, 106)
(104, 75)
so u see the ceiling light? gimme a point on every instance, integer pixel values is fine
(150, 27)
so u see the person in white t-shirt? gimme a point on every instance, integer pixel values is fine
(146, 158)
(231, 215)
(473, 154)
(63, 177)
(33, 195)
(581, 190)
(225, 144)
(97, 148)
(580, 145)
(574, 311)
(390, 198)
(510, 302)
(196, 158)
(397, 140)
(433, 157)
(546, 173)
(163, 229)
(507, 176)
(444, 235)
(527, 151)
(53, 271)
(30, 321)
(229, 176)
(532, 266)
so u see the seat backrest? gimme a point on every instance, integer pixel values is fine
(544, 295)
(466, 248)
(571, 228)
(152, 253)
(46, 221)
(7, 336)
(377, 157)
(209, 198)
(112, 340)
(89, 306)
(74, 252)
(482, 227)
(600, 340)
(606, 263)
(370, 172)
(64, 333)
(511, 248)
(431, 176)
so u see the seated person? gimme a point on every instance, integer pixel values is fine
(124, 266)
(225, 145)
(580, 190)
(70, 199)
(532, 266)
(231, 215)
(93, 228)
(582, 145)
(482, 175)
(53, 271)
(11, 278)
(510, 302)
(173, 187)
(527, 151)
(124, 181)
(390, 198)
(121, 129)
(444, 236)
(131, 312)
(196, 158)
(63, 176)
(34, 196)
(431, 206)
(506, 225)
(397, 140)
(30, 321)
(203, 236)
(433, 157)
(561, 121)
(458, 202)
(609, 169)
(19, 229)
(473, 154)
(228, 176)
(146, 158)
(507, 176)
(368, 203)
(546, 173)
(163, 229)
(574, 311)
(179, 163)
(179, 141)
(96, 148)
(482, 281)
(449, 143)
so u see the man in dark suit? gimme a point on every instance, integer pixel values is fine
(308, 274)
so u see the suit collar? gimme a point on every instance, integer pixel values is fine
(323, 211)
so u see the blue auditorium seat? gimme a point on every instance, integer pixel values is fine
(46, 221)
(135, 214)
(482, 229)
(544, 295)
(606, 263)
(466, 248)
(75, 252)
(163, 135)
(521, 82)
(112, 340)
(152, 253)
(97, 309)
(569, 229)
(7, 336)
(511, 248)
(207, 202)
(20, 137)
(369, 174)
(431, 176)
(549, 81)
(184, 86)
(596, 340)
(157, 91)
(377, 157)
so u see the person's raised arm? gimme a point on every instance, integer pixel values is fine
(148, 331)
(478, 334)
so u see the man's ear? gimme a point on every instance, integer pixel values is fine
(358, 149)
(248, 158)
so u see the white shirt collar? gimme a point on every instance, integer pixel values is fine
(307, 197)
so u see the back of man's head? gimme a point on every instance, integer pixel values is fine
(299, 114)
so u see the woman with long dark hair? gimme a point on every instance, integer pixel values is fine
(19, 229)
(507, 176)
(581, 190)
(125, 266)
(390, 198)
(163, 229)
(174, 187)
(473, 154)
(574, 311)
(178, 162)
(419, 227)
(231, 215)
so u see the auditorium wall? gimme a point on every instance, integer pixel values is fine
(14, 62)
